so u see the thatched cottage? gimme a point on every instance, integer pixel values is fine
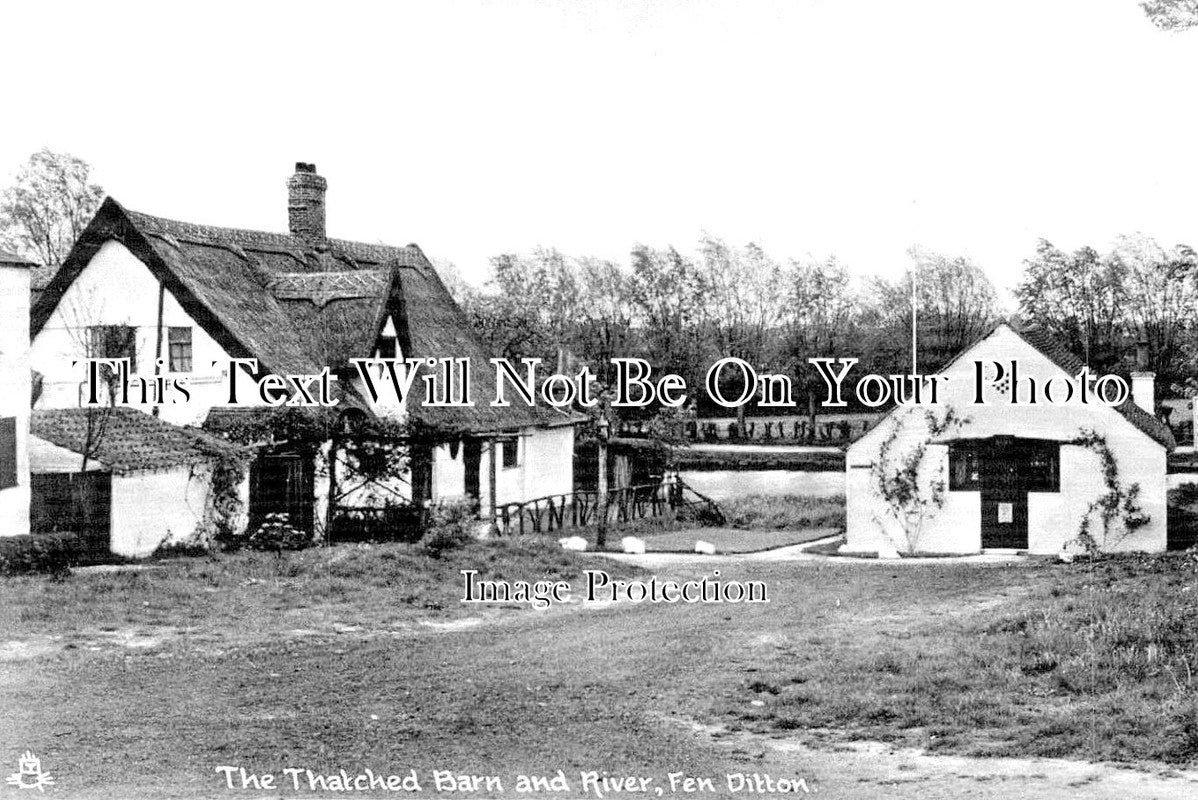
(964, 477)
(178, 298)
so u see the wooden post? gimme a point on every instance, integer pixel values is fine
(493, 483)
(330, 511)
(601, 534)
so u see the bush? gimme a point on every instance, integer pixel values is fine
(52, 553)
(1183, 516)
(449, 528)
(276, 533)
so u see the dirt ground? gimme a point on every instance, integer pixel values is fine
(627, 690)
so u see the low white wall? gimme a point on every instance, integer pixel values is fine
(153, 508)
(164, 507)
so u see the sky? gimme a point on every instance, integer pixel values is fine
(476, 128)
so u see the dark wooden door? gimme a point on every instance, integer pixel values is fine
(1004, 496)
(282, 483)
(80, 503)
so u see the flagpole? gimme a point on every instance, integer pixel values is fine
(914, 364)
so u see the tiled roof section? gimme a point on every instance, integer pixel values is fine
(128, 440)
(1060, 355)
(1040, 339)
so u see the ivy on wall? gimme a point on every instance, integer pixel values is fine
(900, 475)
(1118, 507)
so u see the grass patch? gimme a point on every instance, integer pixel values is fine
(785, 512)
(1100, 662)
(371, 585)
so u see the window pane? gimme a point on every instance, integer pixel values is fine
(964, 468)
(113, 341)
(179, 349)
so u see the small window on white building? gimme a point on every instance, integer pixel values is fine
(113, 341)
(388, 341)
(179, 349)
(511, 453)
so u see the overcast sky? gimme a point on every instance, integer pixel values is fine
(474, 128)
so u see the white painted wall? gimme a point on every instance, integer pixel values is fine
(150, 508)
(545, 467)
(1053, 518)
(449, 473)
(14, 399)
(116, 288)
(547, 462)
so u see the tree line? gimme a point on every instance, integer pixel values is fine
(683, 311)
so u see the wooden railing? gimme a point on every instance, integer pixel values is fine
(561, 512)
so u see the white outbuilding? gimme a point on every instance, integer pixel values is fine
(962, 476)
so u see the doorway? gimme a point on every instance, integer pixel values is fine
(1004, 470)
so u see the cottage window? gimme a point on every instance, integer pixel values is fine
(964, 468)
(511, 453)
(113, 341)
(8, 452)
(179, 349)
(1043, 468)
(387, 347)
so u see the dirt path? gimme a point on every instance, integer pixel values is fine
(863, 771)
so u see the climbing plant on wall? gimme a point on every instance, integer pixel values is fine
(901, 475)
(1117, 508)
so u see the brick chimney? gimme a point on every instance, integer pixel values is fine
(305, 202)
(1143, 382)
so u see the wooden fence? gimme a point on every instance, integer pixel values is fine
(563, 512)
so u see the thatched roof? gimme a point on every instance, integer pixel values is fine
(298, 305)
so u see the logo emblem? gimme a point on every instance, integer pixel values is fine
(29, 774)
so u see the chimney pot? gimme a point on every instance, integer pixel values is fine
(1143, 390)
(305, 202)
(1142, 356)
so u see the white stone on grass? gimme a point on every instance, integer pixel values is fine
(631, 544)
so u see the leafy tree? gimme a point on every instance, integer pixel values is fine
(667, 292)
(603, 329)
(739, 305)
(1160, 299)
(48, 206)
(1172, 15)
(957, 303)
(1101, 306)
(820, 316)
(1078, 298)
